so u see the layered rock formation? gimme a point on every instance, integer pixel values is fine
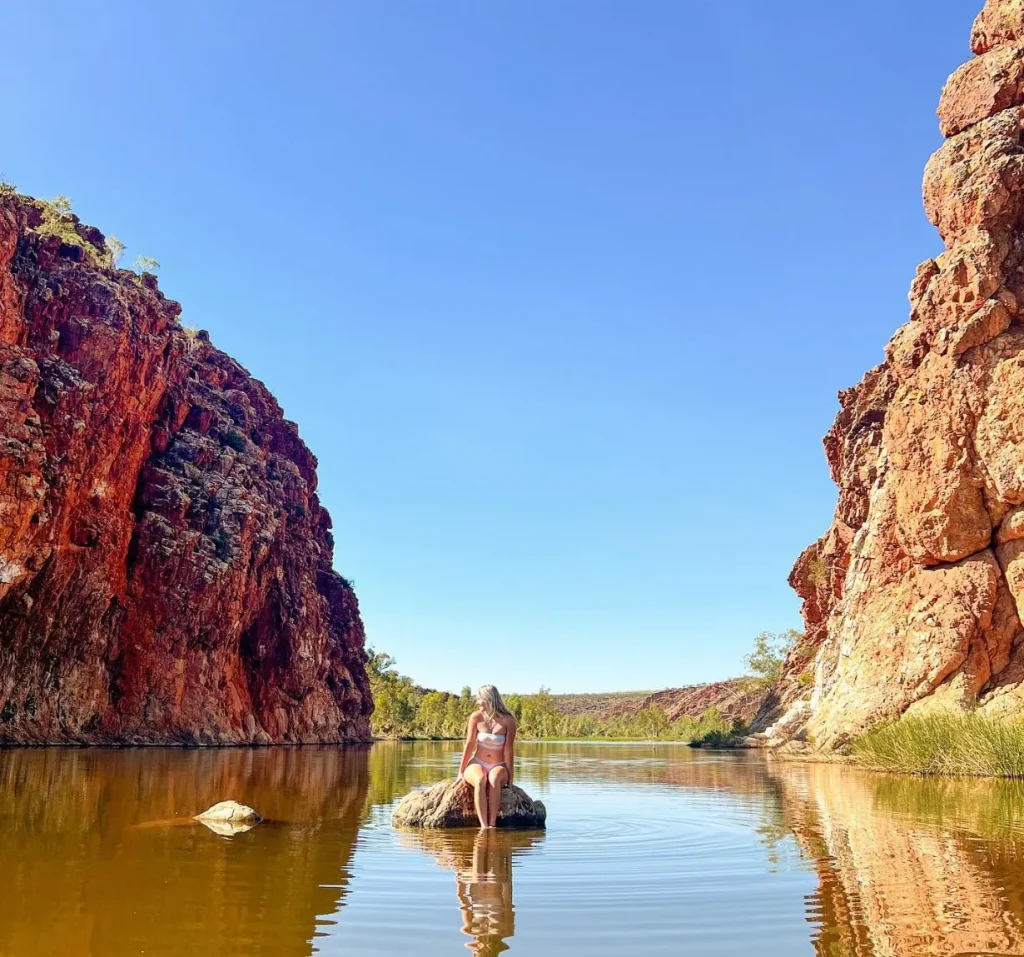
(912, 597)
(165, 564)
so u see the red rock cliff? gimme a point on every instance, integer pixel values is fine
(165, 564)
(912, 597)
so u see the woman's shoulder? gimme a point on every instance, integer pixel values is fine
(510, 722)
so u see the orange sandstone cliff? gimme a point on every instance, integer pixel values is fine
(912, 598)
(165, 564)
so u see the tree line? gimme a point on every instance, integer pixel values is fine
(405, 710)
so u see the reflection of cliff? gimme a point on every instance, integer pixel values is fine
(482, 862)
(901, 870)
(99, 856)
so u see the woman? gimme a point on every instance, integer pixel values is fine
(487, 758)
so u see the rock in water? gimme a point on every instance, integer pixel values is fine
(165, 564)
(912, 598)
(450, 804)
(228, 818)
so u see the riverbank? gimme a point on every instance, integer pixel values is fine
(936, 745)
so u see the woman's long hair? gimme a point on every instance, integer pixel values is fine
(490, 698)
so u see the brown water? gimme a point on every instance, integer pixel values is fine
(651, 849)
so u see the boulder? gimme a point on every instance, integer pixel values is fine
(450, 804)
(228, 818)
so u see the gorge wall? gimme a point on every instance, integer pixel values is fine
(912, 598)
(165, 564)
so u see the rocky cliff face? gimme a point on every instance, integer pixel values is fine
(165, 564)
(737, 699)
(912, 597)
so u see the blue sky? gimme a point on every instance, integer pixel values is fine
(559, 293)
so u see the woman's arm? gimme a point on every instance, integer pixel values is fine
(510, 751)
(470, 747)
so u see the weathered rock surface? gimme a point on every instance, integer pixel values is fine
(912, 598)
(450, 804)
(165, 564)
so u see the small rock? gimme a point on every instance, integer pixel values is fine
(450, 804)
(228, 818)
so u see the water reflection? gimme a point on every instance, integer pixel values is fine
(649, 845)
(909, 866)
(99, 856)
(483, 865)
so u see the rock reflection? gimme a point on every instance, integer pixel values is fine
(99, 855)
(483, 864)
(909, 866)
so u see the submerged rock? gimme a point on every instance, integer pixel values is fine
(228, 818)
(450, 804)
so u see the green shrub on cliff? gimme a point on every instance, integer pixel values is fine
(115, 250)
(946, 743)
(764, 663)
(58, 220)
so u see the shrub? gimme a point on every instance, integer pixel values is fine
(235, 440)
(817, 571)
(764, 663)
(115, 250)
(58, 221)
(143, 264)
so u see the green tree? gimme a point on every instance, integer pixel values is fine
(115, 249)
(764, 663)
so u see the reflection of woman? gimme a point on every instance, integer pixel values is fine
(489, 755)
(483, 863)
(485, 894)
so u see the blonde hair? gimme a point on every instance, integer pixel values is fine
(490, 698)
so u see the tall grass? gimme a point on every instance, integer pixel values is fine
(950, 744)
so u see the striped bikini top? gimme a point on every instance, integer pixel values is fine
(489, 740)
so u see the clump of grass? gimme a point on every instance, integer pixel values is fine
(946, 743)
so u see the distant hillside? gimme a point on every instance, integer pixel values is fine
(735, 698)
(600, 705)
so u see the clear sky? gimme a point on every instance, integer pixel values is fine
(560, 293)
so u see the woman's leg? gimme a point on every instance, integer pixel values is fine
(495, 782)
(476, 777)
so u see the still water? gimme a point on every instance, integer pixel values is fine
(650, 849)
